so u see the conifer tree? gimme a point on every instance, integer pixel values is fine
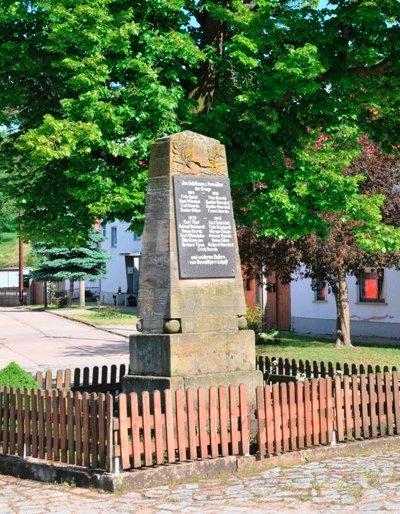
(81, 263)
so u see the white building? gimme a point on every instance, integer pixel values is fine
(121, 282)
(374, 298)
(374, 306)
(9, 281)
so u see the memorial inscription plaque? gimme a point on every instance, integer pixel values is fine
(204, 226)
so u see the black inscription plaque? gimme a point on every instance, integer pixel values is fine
(204, 226)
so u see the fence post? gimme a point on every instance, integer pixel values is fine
(110, 464)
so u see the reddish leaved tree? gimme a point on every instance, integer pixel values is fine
(332, 259)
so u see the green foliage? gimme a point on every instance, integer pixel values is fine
(76, 263)
(9, 251)
(87, 86)
(14, 376)
(7, 214)
(254, 317)
(60, 302)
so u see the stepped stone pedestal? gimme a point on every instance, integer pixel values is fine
(191, 298)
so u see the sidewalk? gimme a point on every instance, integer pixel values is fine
(39, 340)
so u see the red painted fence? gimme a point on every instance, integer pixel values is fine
(293, 416)
(156, 428)
(58, 426)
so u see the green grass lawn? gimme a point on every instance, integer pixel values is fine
(294, 346)
(105, 317)
(9, 250)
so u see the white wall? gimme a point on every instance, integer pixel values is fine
(9, 277)
(309, 315)
(116, 270)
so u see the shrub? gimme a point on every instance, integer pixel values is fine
(254, 318)
(14, 376)
(61, 302)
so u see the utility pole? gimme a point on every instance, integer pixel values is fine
(20, 270)
(20, 264)
(45, 294)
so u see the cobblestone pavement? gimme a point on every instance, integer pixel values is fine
(344, 484)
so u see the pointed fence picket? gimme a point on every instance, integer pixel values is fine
(104, 379)
(278, 368)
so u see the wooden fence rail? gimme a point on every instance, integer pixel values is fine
(308, 413)
(273, 367)
(61, 426)
(104, 379)
(162, 428)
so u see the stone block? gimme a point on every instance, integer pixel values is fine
(192, 354)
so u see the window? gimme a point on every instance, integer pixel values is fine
(320, 291)
(371, 285)
(104, 229)
(113, 237)
(136, 237)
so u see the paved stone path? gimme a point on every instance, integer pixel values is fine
(343, 484)
(40, 341)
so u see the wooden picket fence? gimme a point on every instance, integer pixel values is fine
(158, 428)
(60, 426)
(142, 430)
(104, 379)
(293, 416)
(276, 368)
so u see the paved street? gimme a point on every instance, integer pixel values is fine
(343, 484)
(40, 340)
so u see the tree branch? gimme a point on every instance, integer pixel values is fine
(379, 68)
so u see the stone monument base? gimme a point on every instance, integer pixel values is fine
(180, 361)
(170, 355)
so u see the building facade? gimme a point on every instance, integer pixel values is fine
(121, 284)
(374, 305)
(9, 290)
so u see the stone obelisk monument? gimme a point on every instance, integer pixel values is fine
(191, 298)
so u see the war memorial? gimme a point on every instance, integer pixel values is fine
(191, 299)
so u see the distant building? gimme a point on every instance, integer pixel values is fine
(374, 305)
(9, 294)
(121, 283)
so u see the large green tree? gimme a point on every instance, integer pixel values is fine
(88, 85)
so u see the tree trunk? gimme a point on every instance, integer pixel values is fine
(71, 292)
(82, 293)
(214, 32)
(343, 337)
(45, 295)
